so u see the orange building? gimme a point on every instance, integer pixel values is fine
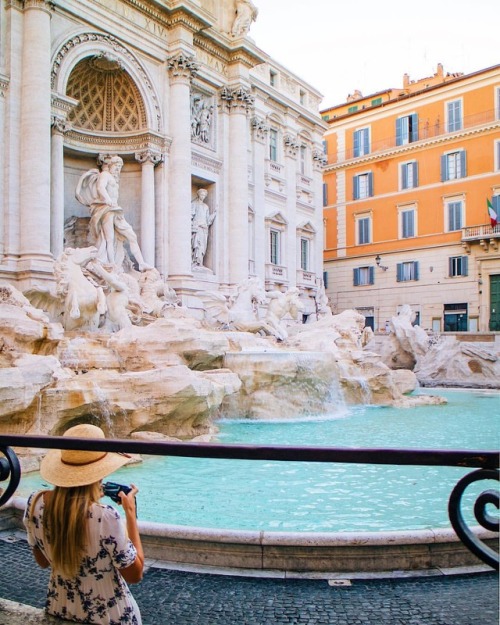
(410, 172)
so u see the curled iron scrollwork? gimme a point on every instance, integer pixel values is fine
(486, 520)
(10, 469)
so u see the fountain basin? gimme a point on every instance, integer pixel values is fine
(285, 553)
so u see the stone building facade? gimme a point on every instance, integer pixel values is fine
(184, 96)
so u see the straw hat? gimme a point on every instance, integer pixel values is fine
(71, 467)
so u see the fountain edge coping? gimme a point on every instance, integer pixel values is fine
(266, 537)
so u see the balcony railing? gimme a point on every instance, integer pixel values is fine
(276, 272)
(484, 231)
(486, 464)
(427, 129)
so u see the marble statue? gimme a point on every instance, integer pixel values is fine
(246, 13)
(201, 220)
(108, 227)
(280, 305)
(155, 294)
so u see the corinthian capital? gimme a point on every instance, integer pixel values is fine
(291, 145)
(148, 156)
(260, 128)
(237, 99)
(59, 124)
(182, 66)
(44, 5)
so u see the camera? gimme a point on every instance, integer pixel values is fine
(111, 490)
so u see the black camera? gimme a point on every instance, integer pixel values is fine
(111, 490)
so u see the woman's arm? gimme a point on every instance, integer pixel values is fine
(133, 573)
(40, 559)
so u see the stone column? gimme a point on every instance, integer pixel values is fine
(291, 148)
(182, 70)
(4, 84)
(35, 163)
(149, 159)
(319, 161)
(259, 135)
(238, 100)
(59, 127)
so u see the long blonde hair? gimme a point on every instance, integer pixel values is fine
(65, 521)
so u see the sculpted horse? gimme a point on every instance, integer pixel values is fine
(240, 312)
(76, 302)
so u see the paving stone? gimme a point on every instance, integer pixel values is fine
(182, 598)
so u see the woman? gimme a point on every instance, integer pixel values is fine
(91, 553)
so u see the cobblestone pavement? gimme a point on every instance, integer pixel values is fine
(168, 597)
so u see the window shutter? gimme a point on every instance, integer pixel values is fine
(399, 272)
(495, 202)
(444, 168)
(414, 127)
(415, 174)
(371, 274)
(356, 276)
(366, 146)
(450, 266)
(325, 194)
(465, 266)
(370, 184)
(355, 192)
(399, 131)
(415, 264)
(404, 172)
(356, 143)
(463, 164)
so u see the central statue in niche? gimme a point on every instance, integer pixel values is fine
(99, 189)
(201, 220)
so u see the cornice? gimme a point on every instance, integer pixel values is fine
(205, 162)
(129, 143)
(170, 18)
(411, 147)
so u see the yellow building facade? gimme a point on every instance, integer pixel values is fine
(410, 172)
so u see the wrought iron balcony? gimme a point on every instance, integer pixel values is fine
(486, 464)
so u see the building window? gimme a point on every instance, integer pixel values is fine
(363, 186)
(273, 144)
(407, 129)
(497, 155)
(325, 117)
(304, 254)
(303, 153)
(454, 115)
(455, 215)
(352, 109)
(409, 175)
(275, 247)
(455, 317)
(363, 276)
(325, 146)
(376, 101)
(453, 166)
(273, 78)
(361, 142)
(363, 230)
(407, 223)
(325, 194)
(407, 271)
(458, 266)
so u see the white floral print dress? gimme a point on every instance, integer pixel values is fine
(98, 594)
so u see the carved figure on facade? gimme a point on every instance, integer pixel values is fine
(156, 295)
(201, 120)
(246, 13)
(201, 220)
(99, 190)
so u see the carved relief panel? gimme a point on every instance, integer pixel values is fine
(203, 119)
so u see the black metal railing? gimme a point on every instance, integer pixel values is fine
(486, 464)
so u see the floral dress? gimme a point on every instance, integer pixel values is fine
(98, 593)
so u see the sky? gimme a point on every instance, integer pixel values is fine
(339, 47)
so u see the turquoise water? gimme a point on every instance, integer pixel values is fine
(292, 496)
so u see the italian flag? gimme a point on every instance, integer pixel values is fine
(492, 213)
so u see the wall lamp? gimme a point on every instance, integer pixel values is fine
(378, 260)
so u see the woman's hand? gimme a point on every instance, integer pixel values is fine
(128, 501)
